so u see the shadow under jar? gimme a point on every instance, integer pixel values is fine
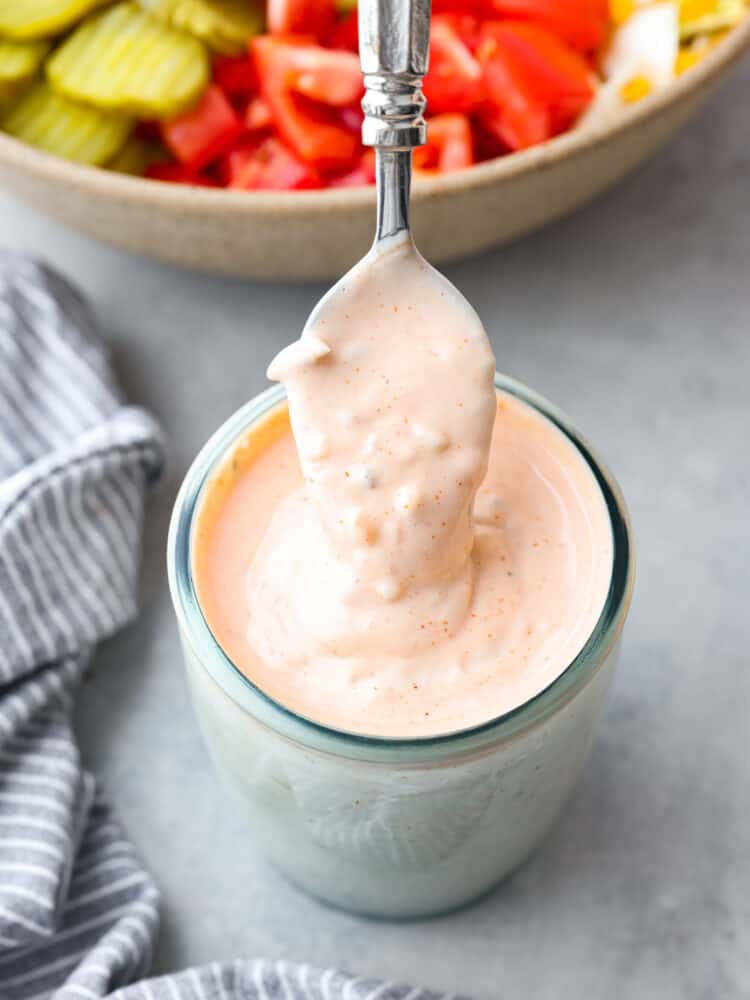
(395, 827)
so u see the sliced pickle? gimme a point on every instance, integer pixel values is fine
(701, 18)
(136, 155)
(19, 61)
(126, 60)
(10, 91)
(42, 18)
(57, 125)
(224, 25)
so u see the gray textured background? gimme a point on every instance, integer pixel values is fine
(633, 316)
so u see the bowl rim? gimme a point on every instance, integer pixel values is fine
(130, 189)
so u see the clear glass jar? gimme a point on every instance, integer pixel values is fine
(387, 827)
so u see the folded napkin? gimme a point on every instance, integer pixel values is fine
(78, 913)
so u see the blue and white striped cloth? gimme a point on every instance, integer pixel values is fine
(78, 913)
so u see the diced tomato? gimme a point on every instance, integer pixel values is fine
(466, 27)
(504, 75)
(558, 67)
(352, 119)
(518, 125)
(487, 143)
(537, 86)
(330, 76)
(310, 129)
(270, 166)
(362, 175)
(454, 80)
(229, 165)
(258, 115)
(176, 173)
(581, 23)
(458, 6)
(301, 17)
(345, 34)
(148, 129)
(235, 75)
(203, 134)
(450, 145)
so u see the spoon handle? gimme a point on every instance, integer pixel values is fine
(394, 38)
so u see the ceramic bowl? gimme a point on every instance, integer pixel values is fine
(319, 234)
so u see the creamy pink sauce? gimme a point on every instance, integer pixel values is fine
(433, 554)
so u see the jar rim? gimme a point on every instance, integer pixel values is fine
(195, 630)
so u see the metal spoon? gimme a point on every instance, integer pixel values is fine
(394, 37)
(394, 40)
(392, 370)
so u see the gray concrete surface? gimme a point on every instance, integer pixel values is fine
(633, 316)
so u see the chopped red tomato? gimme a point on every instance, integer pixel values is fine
(581, 23)
(229, 165)
(466, 27)
(148, 129)
(504, 75)
(235, 75)
(203, 134)
(310, 129)
(346, 33)
(477, 7)
(536, 84)
(330, 76)
(301, 17)
(454, 80)
(270, 166)
(352, 119)
(559, 68)
(450, 145)
(176, 173)
(258, 115)
(362, 175)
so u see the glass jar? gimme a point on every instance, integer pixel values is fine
(395, 827)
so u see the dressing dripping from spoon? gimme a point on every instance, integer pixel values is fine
(391, 394)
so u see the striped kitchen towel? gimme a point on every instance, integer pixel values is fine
(78, 913)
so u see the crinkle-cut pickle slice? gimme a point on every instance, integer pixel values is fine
(57, 125)
(20, 60)
(42, 18)
(224, 25)
(124, 59)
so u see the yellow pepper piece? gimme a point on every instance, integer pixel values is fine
(686, 59)
(621, 10)
(635, 90)
(691, 10)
